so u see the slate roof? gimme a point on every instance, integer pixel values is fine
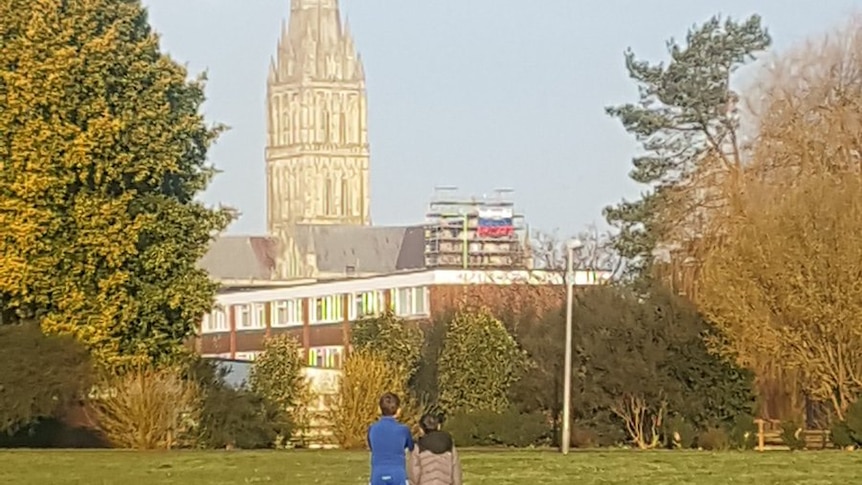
(366, 249)
(241, 258)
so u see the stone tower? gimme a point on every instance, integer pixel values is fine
(317, 150)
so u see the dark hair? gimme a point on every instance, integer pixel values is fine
(429, 423)
(389, 404)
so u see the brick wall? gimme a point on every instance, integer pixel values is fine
(503, 300)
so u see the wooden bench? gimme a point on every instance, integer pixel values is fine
(769, 437)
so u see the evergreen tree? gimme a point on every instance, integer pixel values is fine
(479, 363)
(686, 114)
(102, 153)
(277, 376)
(393, 339)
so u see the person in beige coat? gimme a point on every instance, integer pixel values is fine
(434, 459)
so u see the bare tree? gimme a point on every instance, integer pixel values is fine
(783, 285)
(597, 253)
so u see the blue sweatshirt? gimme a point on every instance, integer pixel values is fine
(387, 439)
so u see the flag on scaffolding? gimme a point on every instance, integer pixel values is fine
(495, 222)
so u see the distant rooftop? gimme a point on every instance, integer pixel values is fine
(364, 249)
(336, 249)
(241, 258)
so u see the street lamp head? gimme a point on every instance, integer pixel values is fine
(574, 244)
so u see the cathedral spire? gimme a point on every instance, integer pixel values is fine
(314, 33)
(317, 151)
(272, 77)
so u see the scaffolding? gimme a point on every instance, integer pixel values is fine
(452, 233)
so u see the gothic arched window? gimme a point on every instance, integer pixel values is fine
(327, 196)
(325, 127)
(345, 196)
(342, 125)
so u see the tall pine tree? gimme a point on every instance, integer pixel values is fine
(102, 153)
(685, 118)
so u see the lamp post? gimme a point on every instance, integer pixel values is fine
(572, 245)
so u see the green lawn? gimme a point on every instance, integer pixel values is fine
(481, 467)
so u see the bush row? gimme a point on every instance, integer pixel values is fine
(51, 395)
(642, 373)
(643, 377)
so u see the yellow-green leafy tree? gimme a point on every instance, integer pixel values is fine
(102, 155)
(365, 377)
(277, 376)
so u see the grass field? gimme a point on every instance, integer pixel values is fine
(481, 467)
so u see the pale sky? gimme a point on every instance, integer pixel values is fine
(478, 94)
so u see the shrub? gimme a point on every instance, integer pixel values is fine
(791, 435)
(853, 421)
(583, 437)
(603, 426)
(365, 377)
(147, 408)
(478, 364)
(642, 357)
(679, 433)
(231, 417)
(41, 378)
(277, 376)
(54, 433)
(237, 418)
(393, 339)
(841, 436)
(848, 433)
(714, 439)
(489, 428)
(642, 419)
(743, 433)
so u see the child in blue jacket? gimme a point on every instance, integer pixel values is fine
(388, 439)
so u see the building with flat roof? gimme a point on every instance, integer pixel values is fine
(320, 313)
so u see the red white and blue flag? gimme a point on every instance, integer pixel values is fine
(495, 222)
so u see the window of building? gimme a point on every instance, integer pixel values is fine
(215, 321)
(367, 304)
(325, 357)
(259, 319)
(420, 300)
(224, 355)
(328, 309)
(287, 313)
(411, 301)
(243, 314)
(246, 356)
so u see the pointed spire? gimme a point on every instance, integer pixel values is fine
(273, 71)
(347, 38)
(317, 41)
(360, 68)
